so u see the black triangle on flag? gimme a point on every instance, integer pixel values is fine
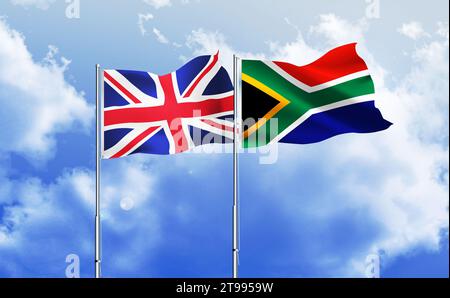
(256, 103)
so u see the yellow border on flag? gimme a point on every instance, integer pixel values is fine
(272, 93)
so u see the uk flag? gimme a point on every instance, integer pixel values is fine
(167, 114)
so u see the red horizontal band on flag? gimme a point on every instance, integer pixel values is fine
(339, 62)
(217, 125)
(160, 113)
(121, 88)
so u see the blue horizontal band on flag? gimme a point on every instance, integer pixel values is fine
(361, 117)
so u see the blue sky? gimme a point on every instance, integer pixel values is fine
(319, 210)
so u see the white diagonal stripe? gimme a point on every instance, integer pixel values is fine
(201, 86)
(145, 98)
(317, 110)
(132, 106)
(130, 125)
(118, 91)
(127, 139)
(211, 58)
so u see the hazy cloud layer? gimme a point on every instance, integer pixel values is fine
(37, 100)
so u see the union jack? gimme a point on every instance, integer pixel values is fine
(166, 114)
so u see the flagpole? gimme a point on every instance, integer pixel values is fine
(97, 174)
(235, 175)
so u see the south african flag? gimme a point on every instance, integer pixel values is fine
(282, 102)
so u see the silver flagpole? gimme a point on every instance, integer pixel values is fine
(97, 174)
(235, 175)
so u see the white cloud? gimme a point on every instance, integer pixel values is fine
(158, 3)
(128, 210)
(336, 30)
(413, 30)
(443, 30)
(142, 18)
(408, 163)
(203, 42)
(290, 51)
(41, 4)
(33, 203)
(397, 179)
(410, 203)
(159, 36)
(36, 98)
(63, 211)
